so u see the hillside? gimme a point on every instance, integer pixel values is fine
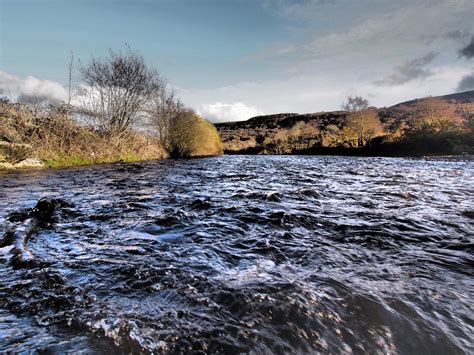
(328, 132)
(466, 97)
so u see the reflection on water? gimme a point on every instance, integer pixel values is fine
(240, 254)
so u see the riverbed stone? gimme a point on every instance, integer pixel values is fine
(6, 166)
(26, 163)
(29, 163)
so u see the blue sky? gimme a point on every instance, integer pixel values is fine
(231, 59)
(192, 42)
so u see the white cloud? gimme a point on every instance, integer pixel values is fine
(379, 33)
(31, 89)
(344, 47)
(305, 94)
(224, 112)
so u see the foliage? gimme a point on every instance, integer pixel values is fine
(192, 136)
(362, 122)
(302, 135)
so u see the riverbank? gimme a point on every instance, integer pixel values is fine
(51, 138)
(70, 161)
(388, 151)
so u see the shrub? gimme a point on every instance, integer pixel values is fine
(192, 136)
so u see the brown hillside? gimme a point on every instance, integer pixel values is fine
(259, 135)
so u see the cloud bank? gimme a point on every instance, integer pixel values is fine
(31, 90)
(468, 51)
(466, 83)
(225, 112)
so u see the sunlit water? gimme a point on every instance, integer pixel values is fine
(245, 254)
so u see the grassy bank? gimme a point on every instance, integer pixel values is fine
(59, 141)
(52, 137)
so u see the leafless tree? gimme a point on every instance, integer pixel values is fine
(163, 108)
(303, 135)
(355, 104)
(116, 88)
(69, 90)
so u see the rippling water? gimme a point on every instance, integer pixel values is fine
(244, 254)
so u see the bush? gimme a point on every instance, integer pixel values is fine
(192, 136)
(207, 141)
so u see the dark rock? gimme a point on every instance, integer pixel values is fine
(201, 204)
(468, 214)
(30, 221)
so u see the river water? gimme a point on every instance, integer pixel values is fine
(254, 254)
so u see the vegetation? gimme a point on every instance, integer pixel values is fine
(428, 126)
(60, 141)
(362, 122)
(124, 112)
(115, 89)
(191, 136)
(303, 135)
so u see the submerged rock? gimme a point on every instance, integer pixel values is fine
(30, 222)
(201, 204)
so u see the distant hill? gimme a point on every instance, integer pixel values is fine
(252, 135)
(459, 97)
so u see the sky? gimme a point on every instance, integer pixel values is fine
(235, 59)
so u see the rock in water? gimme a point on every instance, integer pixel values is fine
(41, 214)
(26, 163)
(29, 163)
(45, 208)
(22, 256)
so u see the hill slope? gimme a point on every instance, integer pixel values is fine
(262, 134)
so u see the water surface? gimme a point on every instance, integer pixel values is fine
(244, 254)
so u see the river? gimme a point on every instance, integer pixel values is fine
(262, 254)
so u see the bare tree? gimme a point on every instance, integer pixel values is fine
(163, 107)
(278, 142)
(71, 62)
(355, 104)
(436, 115)
(116, 89)
(362, 121)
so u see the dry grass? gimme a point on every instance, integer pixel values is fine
(59, 141)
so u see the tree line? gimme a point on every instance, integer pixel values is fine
(121, 109)
(121, 91)
(429, 125)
